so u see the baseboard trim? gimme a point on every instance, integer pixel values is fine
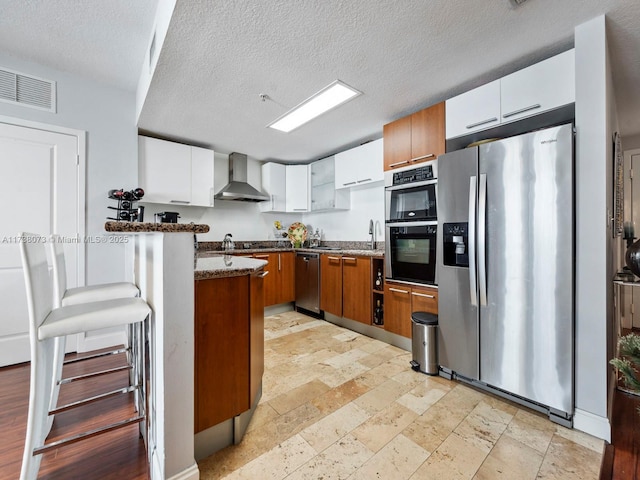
(191, 473)
(592, 424)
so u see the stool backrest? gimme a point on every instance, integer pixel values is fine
(56, 248)
(36, 279)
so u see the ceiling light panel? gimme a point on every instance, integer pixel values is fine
(326, 99)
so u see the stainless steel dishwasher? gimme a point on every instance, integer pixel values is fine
(308, 281)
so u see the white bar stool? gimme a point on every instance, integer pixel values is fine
(63, 296)
(46, 324)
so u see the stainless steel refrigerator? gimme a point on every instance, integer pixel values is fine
(506, 269)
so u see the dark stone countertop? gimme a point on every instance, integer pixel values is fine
(143, 227)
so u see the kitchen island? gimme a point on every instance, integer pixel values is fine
(163, 269)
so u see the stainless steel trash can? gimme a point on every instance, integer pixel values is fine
(424, 342)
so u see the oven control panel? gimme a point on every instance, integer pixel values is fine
(419, 174)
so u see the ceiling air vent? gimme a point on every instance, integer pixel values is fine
(27, 90)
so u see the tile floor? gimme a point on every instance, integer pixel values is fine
(338, 405)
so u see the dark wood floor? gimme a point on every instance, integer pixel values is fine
(115, 455)
(622, 457)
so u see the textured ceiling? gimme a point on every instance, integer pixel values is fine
(104, 40)
(220, 56)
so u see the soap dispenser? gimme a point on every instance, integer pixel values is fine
(315, 239)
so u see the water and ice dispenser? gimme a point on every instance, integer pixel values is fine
(455, 244)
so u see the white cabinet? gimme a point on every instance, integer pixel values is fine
(174, 173)
(297, 188)
(474, 110)
(539, 88)
(323, 193)
(274, 179)
(361, 165)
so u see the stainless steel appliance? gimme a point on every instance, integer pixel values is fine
(411, 224)
(308, 281)
(506, 270)
(238, 188)
(410, 254)
(410, 193)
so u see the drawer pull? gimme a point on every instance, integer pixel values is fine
(422, 295)
(333, 258)
(348, 183)
(522, 110)
(397, 164)
(184, 202)
(261, 256)
(364, 180)
(352, 259)
(398, 290)
(264, 274)
(473, 125)
(423, 157)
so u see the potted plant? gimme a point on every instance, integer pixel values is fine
(628, 360)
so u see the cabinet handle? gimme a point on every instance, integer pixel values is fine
(261, 256)
(494, 119)
(404, 162)
(398, 290)
(522, 110)
(279, 268)
(422, 295)
(353, 259)
(365, 180)
(185, 202)
(333, 258)
(299, 209)
(264, 274)
(348, 183)
(423, 157)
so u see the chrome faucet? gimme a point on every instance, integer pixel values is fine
(372, 232)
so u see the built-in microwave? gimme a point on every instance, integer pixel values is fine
(410, 194)
(410, 254)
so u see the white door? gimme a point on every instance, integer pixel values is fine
(40, 191)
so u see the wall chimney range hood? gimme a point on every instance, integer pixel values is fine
(238, 188)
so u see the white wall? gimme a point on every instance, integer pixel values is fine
(631, 143)
(595, 123)
(108, 116)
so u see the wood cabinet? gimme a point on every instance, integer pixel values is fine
(322, 186)
(331, 284)
(361, 165)
(345, 286)
(174, 173)
(297, 188)
(416, 138)
(229, 347)
(356, 288)
(279, 283)
(400, 300)
(536, 89)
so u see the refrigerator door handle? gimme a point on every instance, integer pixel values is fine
(482, 217)
(473, 287)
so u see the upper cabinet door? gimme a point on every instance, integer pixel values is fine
(427, 133)
(397, 143)
(297, 185)
(360, 165)
(539, 88)
(201, 177)
(274, 183)
(164, 171)
(477, 109)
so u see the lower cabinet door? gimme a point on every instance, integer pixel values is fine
(331, 284)
(356, 289)
(424, 299)
(397, 309)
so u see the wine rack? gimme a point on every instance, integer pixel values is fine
(126, 210)
(377, 277)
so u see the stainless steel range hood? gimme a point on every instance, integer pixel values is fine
(238, 189)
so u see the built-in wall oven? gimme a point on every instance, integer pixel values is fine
(411, 223)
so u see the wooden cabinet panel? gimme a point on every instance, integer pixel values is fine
(221, 350)
(286, 273)
(397, 143)
(416, 138)
(397, 309)
(427, 133)
(424, 299)
(356, 289)
(271, 280)
(256, 334)
(331, 284)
